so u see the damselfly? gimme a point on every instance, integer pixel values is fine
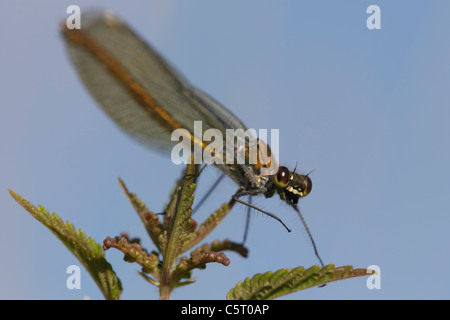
(149, 99)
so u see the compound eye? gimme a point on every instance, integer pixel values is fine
(282, 177)
(308, 186)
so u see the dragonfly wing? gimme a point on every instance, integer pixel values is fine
(136, 87)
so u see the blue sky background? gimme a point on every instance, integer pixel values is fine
(369, 110)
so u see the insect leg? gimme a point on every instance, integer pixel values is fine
(241, 193)
(203, 199)
(247, 222)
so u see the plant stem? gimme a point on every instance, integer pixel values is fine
(164, 287)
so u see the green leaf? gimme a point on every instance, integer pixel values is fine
(149, 279)
(271, 285)
(178, 218)
(149, 219)
(86, 250)
(178, 226)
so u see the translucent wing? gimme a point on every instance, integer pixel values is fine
(136, 87)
